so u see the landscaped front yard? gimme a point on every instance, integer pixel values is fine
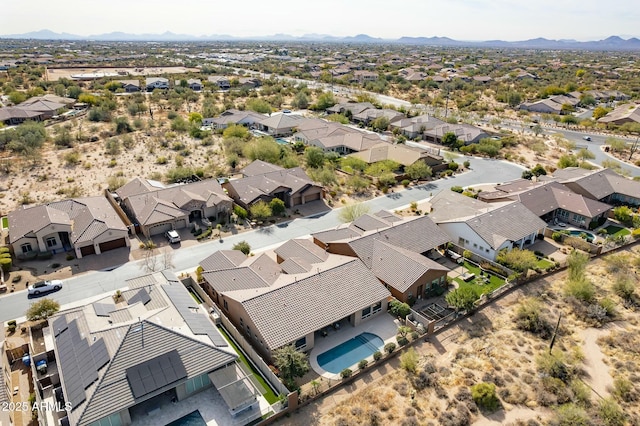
(478, 283)
(544, 264)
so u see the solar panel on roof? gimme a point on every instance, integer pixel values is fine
(100, 353)
(141, 296)
(103, 309)
(59, 325)
(155, 373)
(217, 338)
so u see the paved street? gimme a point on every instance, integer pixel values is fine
(98, 283)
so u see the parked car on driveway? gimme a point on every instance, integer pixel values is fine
(44, 287)
(172, 236)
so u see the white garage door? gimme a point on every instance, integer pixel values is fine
(159, 229)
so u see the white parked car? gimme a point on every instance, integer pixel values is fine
(172, 236)
(44, 287)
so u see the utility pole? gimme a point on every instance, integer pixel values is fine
(555, 333)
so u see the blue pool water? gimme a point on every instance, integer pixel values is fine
(350, 352)
(191, 419)
(282, 141)
(590, 236)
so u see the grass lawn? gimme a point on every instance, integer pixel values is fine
(477, 284)
(5, 222)
(270, 395)
(617, 231)
(544, 264)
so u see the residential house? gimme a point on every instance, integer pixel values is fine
(335, 137)
(364, 76)
(263, 182)
(466, 133)
(603, 185)
(552, 105)
(395, 249)
(280, 125)
(350, 108)
(130, 86)
(403, 154)
(222, 82)
(37, 108)
(554, 202)
(234, 116)
(85, 225)
(156, 209)
(415, 127)
(484, 228)
(194, 84)
(292, 302)
(118, 365)
(625, 113)
(153, 83)
(368, 115)
(249, 82)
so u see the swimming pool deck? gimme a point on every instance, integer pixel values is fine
(382, 325)
(212, 407)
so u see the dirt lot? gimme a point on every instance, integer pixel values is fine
(55, 74)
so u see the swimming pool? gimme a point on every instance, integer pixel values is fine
(577, 233)
(192, 419)
(350, 352)
(282, 141)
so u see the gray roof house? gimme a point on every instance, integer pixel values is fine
(278, 125)
(130, 86)
(233, 116)
(128, 363)
(85, 225)
(602, 185)
(156, 83)
(484, 228)
(415, 126)
(553, 202)
(156, 210)
(291, 302)
(264, 181)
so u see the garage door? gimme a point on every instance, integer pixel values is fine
(159, 229)
(182, 223)
(87, 250)
(312, 197)
(114, 244)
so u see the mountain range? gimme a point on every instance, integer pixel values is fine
(610, 43)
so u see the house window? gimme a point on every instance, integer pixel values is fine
(226, 306)
(476, 246)
(197, 383)
(487, 250)
(51, 242)
(241, 323)
(301, 343)
(461, 242)
(26, 248)
(366, 312)
(249, 331)
(377, 308)
(112, 420)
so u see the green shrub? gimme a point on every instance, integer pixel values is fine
(409, 360)
(377, 355)
(399, 309)
(4, 249)
(363, 364)
(580, 288)
(204, 234)
(611, 413)
(457, 189)
(572, 415)
(528, 318)
(557, 237)
(484, 395)
(402, 340)
(406, 182)
(6, 263)
(390, 347)
(346, 373)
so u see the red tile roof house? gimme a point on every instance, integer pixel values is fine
(86, 225)
(264, 181)
(156, 209)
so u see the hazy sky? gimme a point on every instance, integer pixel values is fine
(458, 19)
